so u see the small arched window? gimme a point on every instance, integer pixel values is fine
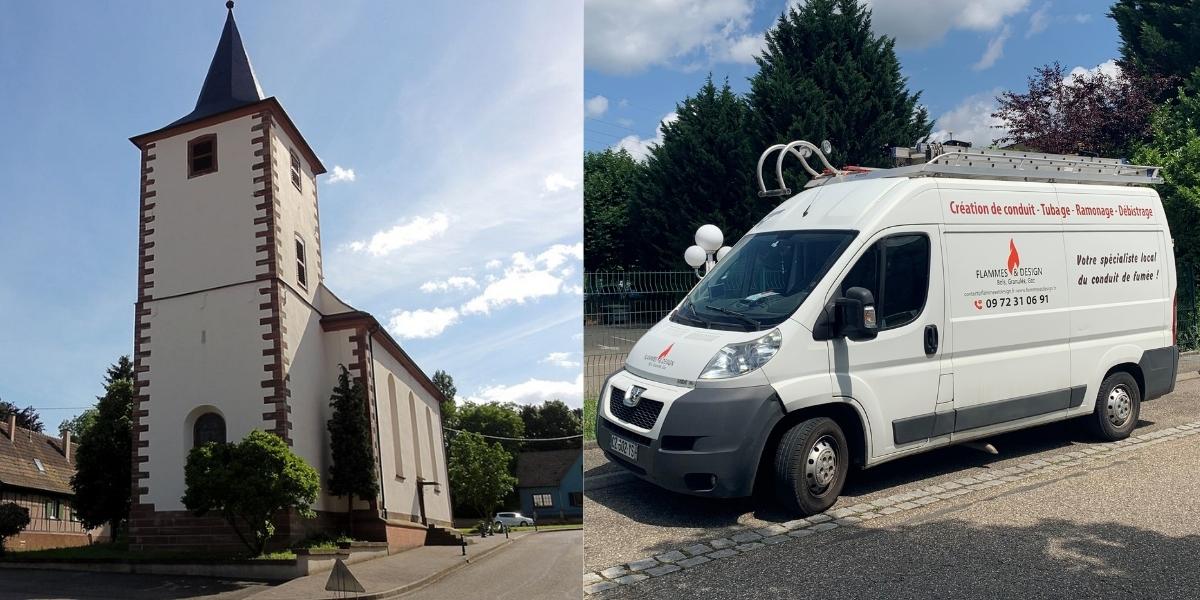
(209, 427)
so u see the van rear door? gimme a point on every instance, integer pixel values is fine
(895, 377)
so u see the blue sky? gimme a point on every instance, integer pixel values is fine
(460, 227)
(643, 57)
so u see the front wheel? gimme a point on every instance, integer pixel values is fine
(811, 463)
(1118, 404)
(499, 525)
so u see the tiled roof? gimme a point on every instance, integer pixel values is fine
(18, 469)
(546, 468)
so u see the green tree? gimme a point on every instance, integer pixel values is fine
(445, 384)
(702, 172)
(493, 419)
(13, 520)
(1175, 146)
(479, 477)
(1158, 39)
(609, 179)
(552, 419)
(352, 472)
(102, 467)
(250, 484)
(824, 75)
(80, 423)
(27, 417)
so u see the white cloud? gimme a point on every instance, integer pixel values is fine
(1108, 68)
(556, 182)
(1039, 20)
(595, 106)
(743, 49)
(561, 359)
(639, 147)
(995, 49)
(527, 278)
(533, 391)
(415, 324)
(341, 174)
(450, 283)
(917, 24)
(414, 231)
(971, 120)
(495, 263)
(628, 36)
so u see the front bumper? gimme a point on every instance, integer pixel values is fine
(706, 441)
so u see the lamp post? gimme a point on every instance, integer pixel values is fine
(707, 251)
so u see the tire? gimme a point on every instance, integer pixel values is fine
(811, 463)
(1118, 405)
(499, 525)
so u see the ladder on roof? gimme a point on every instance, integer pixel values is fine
(944, 160)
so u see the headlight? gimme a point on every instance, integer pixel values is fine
(739, 359)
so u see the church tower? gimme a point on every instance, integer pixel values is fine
(235, 330)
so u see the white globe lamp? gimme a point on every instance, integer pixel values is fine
(709, 238)
(722, 252)
(695, 256)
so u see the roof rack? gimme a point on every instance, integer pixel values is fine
(943, 160)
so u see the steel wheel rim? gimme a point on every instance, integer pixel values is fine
(820, 466)
(1120, 406)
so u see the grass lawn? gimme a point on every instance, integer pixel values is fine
(589, 419)
(122, 552)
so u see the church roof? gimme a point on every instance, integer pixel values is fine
(230, 82)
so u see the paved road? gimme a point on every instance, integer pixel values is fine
(636, 520)
(544, 566)
(1123, 526)
(32, 584)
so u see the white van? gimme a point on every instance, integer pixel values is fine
(884, 313)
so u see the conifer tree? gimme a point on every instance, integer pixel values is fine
(352, 472)
(825, 76)
(102, 463)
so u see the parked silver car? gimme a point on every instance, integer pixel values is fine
(512, 519)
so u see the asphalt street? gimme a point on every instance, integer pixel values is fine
(32, 584)
(544, 566)
(1086, 519)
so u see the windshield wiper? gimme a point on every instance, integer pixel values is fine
(696, 316)
(734, 313)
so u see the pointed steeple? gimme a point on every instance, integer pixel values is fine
(230, 82)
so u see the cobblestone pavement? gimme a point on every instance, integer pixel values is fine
(661, 534)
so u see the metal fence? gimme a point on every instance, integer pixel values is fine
(618, 307)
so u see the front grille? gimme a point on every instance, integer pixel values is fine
(644, 415)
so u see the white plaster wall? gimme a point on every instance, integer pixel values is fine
(312, 375)
(204, 226)
(400, 494)
(297, 214)
(206, 350)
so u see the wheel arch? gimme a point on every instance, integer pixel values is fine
(845, 413)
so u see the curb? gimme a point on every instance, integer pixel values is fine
(750, 539)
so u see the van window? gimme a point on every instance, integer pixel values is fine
(763, 280)
(896, 271)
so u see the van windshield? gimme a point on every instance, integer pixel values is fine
(763, 280)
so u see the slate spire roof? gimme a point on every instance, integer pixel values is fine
(230, 82)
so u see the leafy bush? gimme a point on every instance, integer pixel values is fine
(249, 483)
(13, 520)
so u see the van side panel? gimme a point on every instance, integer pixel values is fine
(1117, 285)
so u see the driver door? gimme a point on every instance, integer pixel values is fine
(895, 376)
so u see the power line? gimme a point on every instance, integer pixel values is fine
(496, 437)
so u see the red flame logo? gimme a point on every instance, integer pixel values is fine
(666, 352)
(1014, 259)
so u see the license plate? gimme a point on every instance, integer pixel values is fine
(623, 447)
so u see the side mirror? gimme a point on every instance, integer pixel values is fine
(855, 316)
